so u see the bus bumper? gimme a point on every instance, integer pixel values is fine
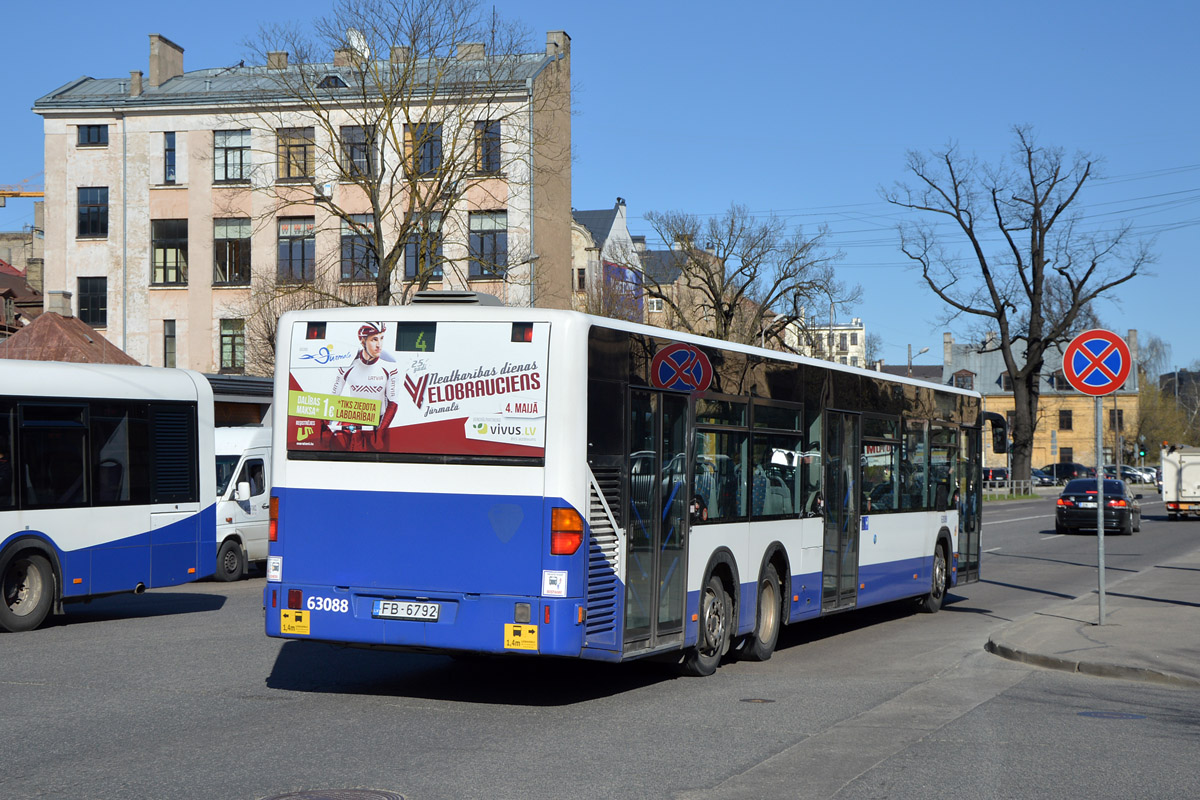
(465, 622)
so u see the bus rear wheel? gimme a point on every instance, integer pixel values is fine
(931, 602)
(766, 631)
(715, 630)
(27, 582)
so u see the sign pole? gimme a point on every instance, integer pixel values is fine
(1097, 362)
(1100, 502)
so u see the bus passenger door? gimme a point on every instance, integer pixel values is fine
(657, 520)
(843, 453)
(969, 539)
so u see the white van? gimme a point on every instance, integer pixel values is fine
(243, 498)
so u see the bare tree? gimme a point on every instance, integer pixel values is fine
(740, 279)
(387, 121)
(614, 291)
(1038, 282)
(874, 348)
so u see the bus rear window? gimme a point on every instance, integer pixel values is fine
(419, 388)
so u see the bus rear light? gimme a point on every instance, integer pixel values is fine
(273, 526)
(566, 531)
(274, 598)
(547, 615)
(295, 598)
(522, 332)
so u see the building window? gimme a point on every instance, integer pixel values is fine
(233, 345)
(581, 279)
(358, 256)
(1066, 455)
(854, 340)
(231, 251)
(424, 144)
(358, 160)
(168, 248)
(231, 156)
(964, 380)
(489, 244)
(93, 213)
(168, 342)
(296, 150)
(654, 304)
(487, 147)
(92, 136)
(93, 301)
(842, 342)
(1006, 382)
(169, 157)
(423, 250)
(297, 248)
(854, 361)
(1064, 420)
(841, 359)
(1116, 419)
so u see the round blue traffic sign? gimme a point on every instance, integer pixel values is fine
(1097, 362)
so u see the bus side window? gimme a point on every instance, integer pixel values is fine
(8, 497)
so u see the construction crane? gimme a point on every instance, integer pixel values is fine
(22, 189)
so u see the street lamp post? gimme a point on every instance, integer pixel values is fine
(910, 357)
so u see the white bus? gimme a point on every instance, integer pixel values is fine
(102, 488)
(529, 481)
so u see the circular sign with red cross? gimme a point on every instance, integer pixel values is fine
(1097, 362)
(681, 367)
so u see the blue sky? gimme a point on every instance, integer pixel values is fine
(803, 109)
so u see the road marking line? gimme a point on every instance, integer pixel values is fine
(1056, 536)
(991, 550)
(1018, 519)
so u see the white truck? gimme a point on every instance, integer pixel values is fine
(1181, 480)
(243, 499)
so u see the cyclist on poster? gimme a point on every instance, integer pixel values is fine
(372, 375)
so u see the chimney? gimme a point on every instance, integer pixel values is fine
(166, 60)
(135, 82)
(558, 43)
(947, 348)
(277, 59)
(59, 302)
(399, 54)
(639, 243)
(470, 51)
(343, 57)
(1132, 342)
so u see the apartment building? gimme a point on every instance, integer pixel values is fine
(186, 210)
(840, 342)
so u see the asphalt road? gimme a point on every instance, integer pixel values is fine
(178, 694)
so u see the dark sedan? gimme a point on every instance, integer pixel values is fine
(1077, 507)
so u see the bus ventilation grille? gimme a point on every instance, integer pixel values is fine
(603, 558)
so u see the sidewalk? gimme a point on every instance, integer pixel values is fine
(1151, 631)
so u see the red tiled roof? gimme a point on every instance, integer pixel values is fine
(8, 269)
(53, 337)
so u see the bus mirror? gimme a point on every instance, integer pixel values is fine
(999, 431)
(242, 494)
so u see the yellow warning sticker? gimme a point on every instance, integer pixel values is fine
(294, 621)
(520, 637)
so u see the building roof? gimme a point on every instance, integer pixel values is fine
(53, 337)
(8, 269)
(663, 266)
(225, 85)
(598, 223)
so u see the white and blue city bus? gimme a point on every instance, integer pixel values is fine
(106, 483)
(529, 481)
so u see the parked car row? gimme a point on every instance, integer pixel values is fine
(1067, 470)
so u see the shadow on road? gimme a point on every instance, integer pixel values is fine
(505, 680)
(131, 606)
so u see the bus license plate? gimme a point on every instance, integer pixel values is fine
(402, 609)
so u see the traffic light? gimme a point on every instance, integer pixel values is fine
(1141, 452)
